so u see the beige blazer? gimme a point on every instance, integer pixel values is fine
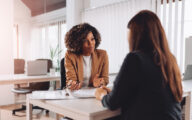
(74, 66)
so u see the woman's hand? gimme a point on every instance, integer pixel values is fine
(74, 85)
(98, 82)
(106, 88)
(101, 92)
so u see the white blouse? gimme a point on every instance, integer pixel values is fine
(87, 63)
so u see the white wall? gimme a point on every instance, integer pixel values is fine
(100, 3)
(74, 9)
(6, 47)
(22, 17)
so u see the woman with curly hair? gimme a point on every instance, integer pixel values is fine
(86, 66)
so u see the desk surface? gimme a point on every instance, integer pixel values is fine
(23, 78)
(81, 109)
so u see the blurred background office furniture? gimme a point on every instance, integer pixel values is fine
(188, 73)
(36, 67)
(8, 79)
(49, 64)
(22, 91)
(62, 73)
(19, 66)
(42, 85)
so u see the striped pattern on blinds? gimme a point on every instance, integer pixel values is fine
(171, 13)
(111, 21)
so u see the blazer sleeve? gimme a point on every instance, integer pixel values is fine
(69, 68)
(125, 84)
(105, 69)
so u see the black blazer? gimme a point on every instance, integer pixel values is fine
(139, 91)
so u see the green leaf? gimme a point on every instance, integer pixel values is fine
(59, 52)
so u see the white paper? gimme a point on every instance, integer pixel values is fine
(64, 94)
(59, 94)
(83, 93)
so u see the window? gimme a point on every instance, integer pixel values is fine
(177, 21)
(46, 37)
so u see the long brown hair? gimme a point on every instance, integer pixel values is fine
(148, 35)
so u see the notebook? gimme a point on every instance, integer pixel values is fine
(64, 94)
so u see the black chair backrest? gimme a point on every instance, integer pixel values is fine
(62, 72)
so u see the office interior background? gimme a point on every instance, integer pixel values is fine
(30, 28)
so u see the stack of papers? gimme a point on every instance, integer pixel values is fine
(59, 94)
(83, 93)
(64, 94)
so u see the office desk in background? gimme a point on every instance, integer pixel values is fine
(11, 79)
(23, 78)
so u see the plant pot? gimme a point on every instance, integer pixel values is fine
(52, 71)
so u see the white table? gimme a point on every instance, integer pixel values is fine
(23, 78)
(91, 109)
(78, 109)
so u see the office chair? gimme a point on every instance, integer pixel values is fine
(63, 83)
(19, 66)
(62, 73)
(32, 86)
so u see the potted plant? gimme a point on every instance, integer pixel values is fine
(54, 55)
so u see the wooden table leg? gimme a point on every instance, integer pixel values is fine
(188, 107)
(29, 108)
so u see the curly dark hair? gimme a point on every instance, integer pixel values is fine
(76, 36)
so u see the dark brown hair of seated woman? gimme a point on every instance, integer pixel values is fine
(74, 39)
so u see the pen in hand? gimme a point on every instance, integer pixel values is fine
(74, 85)
(69, 86)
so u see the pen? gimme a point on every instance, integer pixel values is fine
(68, 86)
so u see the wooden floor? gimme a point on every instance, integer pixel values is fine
(6, 114)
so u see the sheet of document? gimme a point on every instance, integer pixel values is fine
(59, 94)
(83, 93)
(64, 94)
